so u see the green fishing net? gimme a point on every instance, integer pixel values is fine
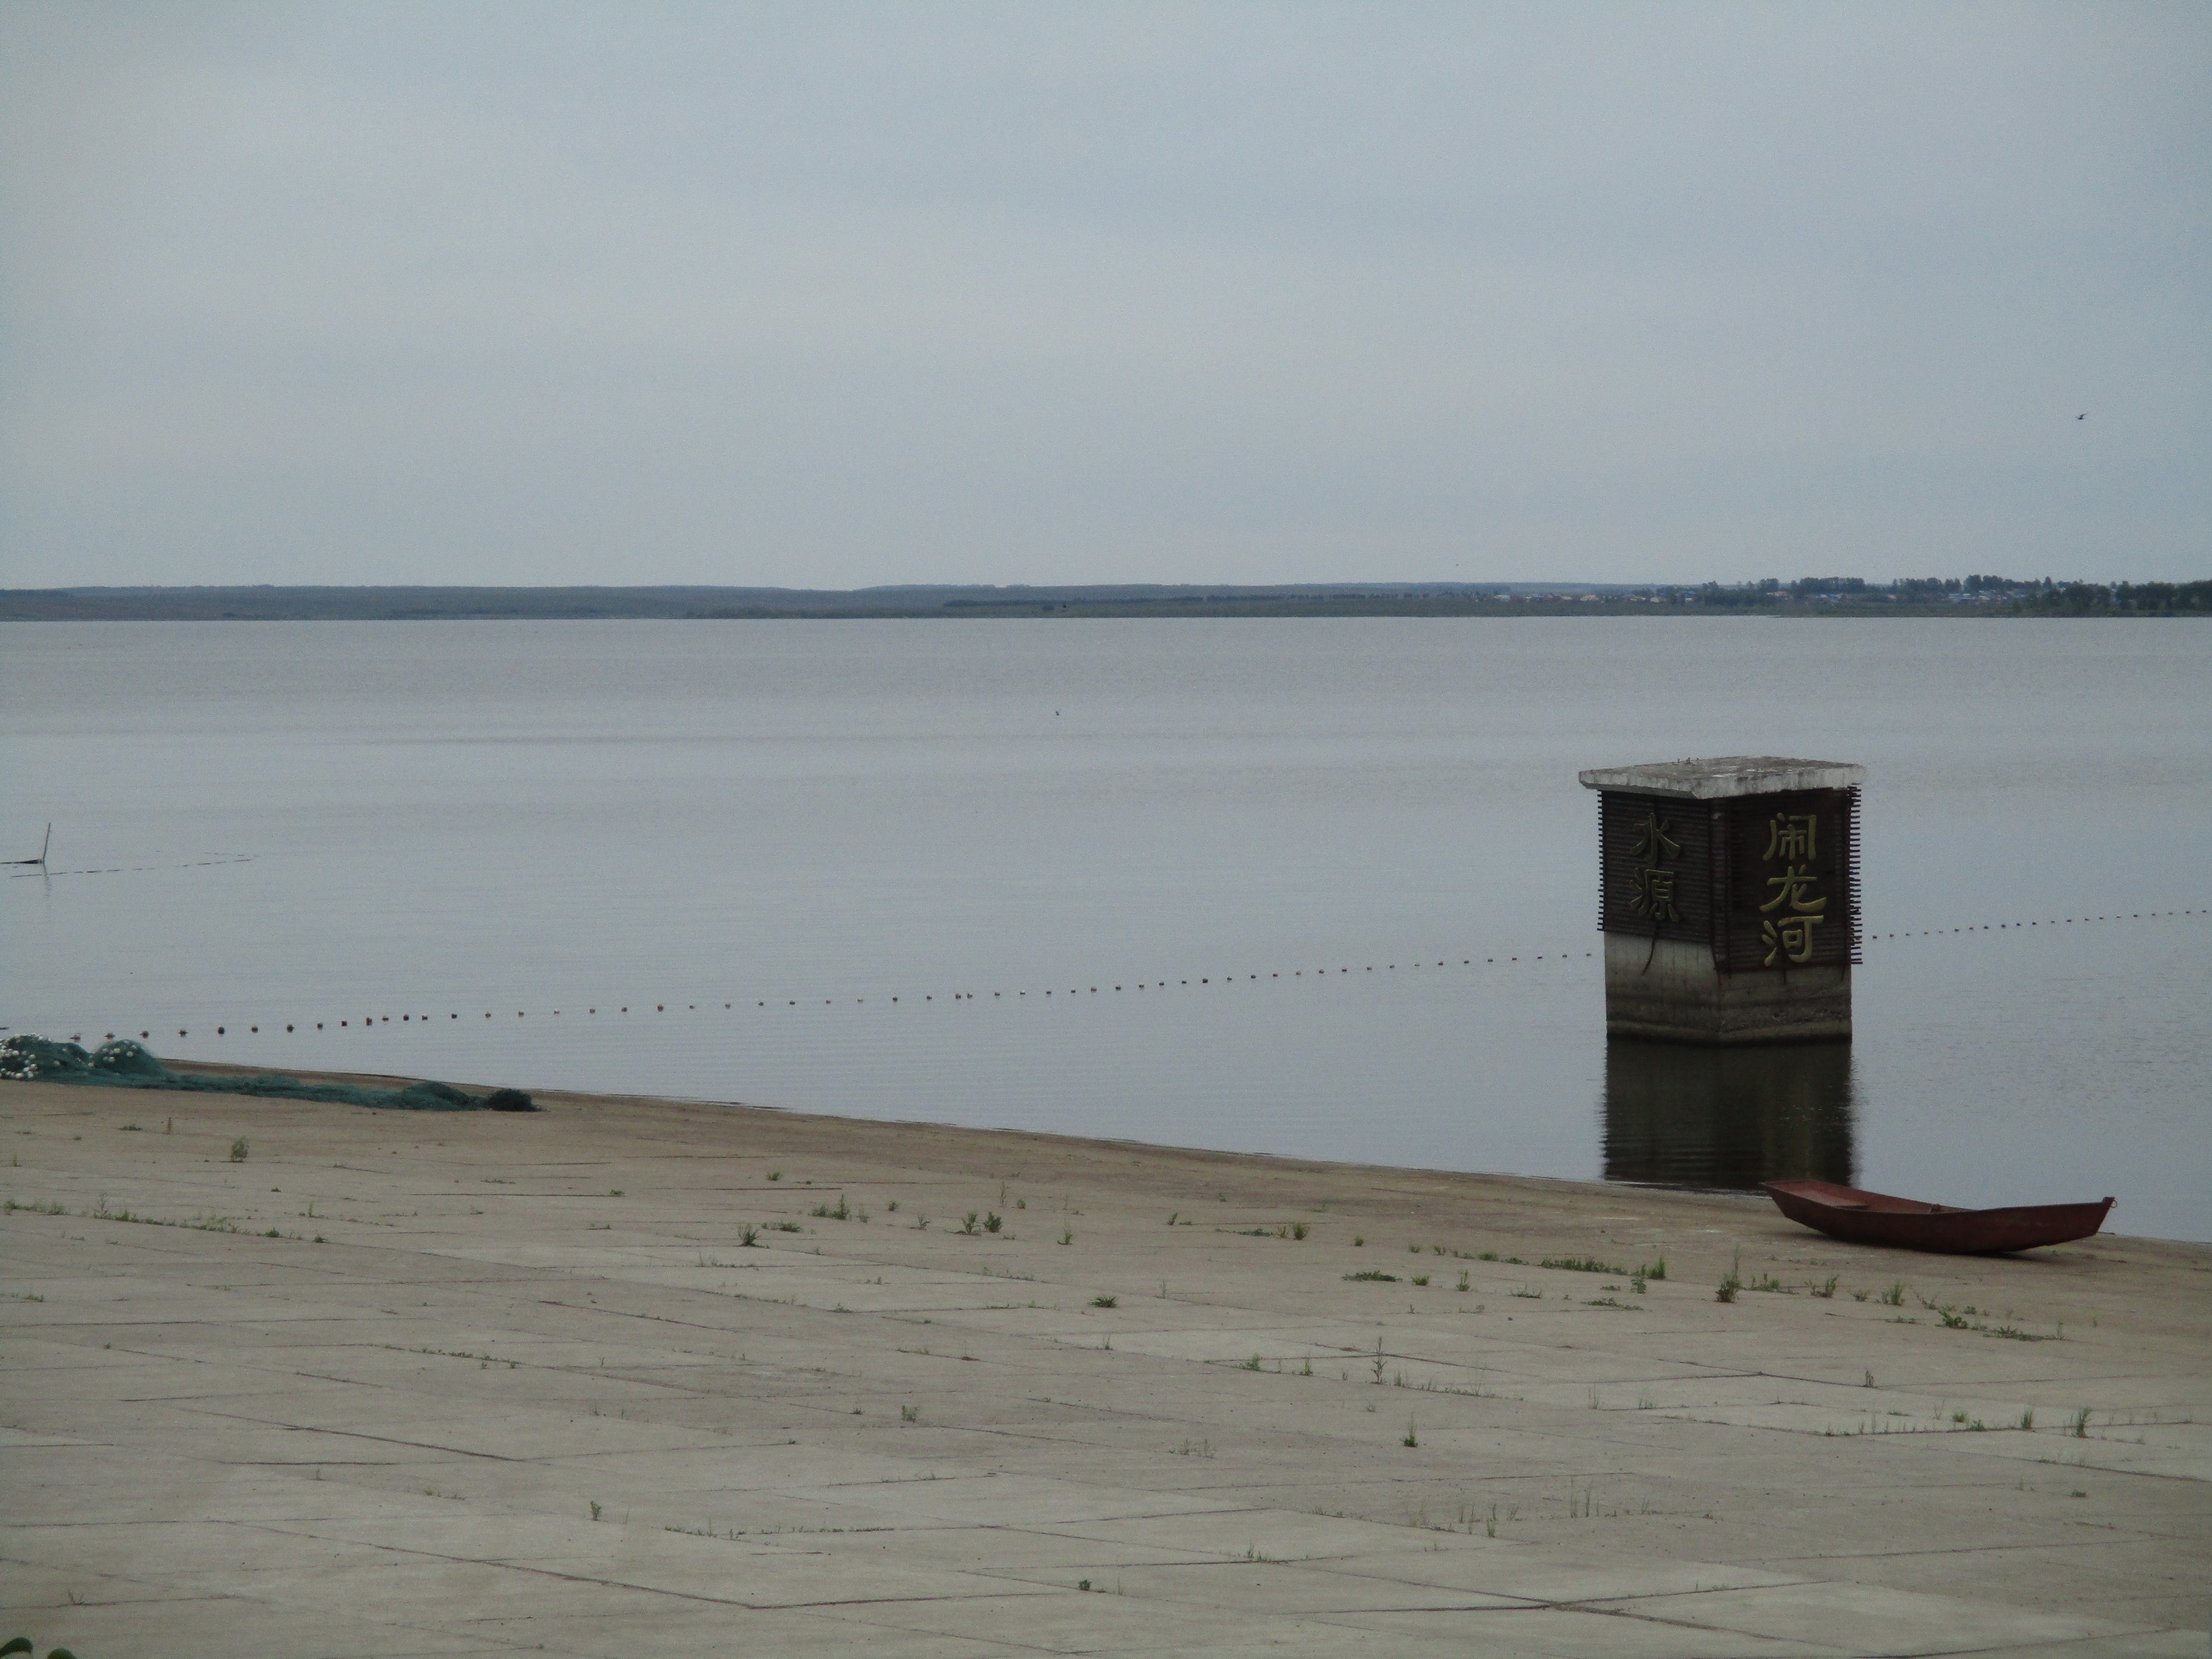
(124, 1064)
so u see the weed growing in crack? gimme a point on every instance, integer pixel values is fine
(1725, 1291)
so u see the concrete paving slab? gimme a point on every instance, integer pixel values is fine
(1534, 1573)
(1076, 1622)
(1867, 1618)
(988, 1497)
(417, 1416)
(2107, 1566)
(2147, 1644)
(37, 1588)
(1569, 1633)
(479, 1536)
(394, 1588)
(715, 1632)
(180, 1546)
(26, 1439)
(1265, 1587)
(232, 1626)
(989, 1550)
(2184, 1454)
(510, 1436)
(1227, 1533)
(714, 1569)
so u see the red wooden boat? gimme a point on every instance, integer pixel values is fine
(1864, 1217)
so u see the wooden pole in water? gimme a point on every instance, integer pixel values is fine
(40, 861)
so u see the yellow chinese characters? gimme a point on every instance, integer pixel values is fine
(1651, 885)
(1652, 894)
(1793, 837)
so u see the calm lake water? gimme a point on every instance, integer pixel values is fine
(877, 868)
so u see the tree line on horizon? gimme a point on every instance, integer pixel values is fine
(2043, 596)
(1972, 595)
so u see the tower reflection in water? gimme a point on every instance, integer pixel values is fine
(1677, 1115)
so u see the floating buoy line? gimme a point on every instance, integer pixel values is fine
(42, 872)
(362, 1021)
(2050, 921)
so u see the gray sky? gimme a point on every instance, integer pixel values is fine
(826, 295)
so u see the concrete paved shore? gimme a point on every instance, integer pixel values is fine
(401, 1384)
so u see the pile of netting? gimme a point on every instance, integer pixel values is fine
(123, 1065)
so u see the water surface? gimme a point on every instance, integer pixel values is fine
(1346, 858)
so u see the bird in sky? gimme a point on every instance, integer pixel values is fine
(2083, 417)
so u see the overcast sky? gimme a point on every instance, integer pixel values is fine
(827, 295)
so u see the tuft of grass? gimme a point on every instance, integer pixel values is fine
(238, 1149)
(1420, 1278)
(1654, 1270)
(775, 1175)
(1066, 1235)
(993, 1222)
(1105, 1301)
(1894, 1296)
(967, 1225)
(1356, 1241)
(2081, 1424)
(840, 1213)
(1731, 1284)
(2028, 1420)
(748, 1238)
(1412, 1439)
(1462, 1280)
(1251, 1364)
(1581, 1264)
(1825, 1290)
(1373, 1274)
(909, 1413)
(787, 1226)
(595, 1509)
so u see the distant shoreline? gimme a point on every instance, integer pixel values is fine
(1810, 597)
